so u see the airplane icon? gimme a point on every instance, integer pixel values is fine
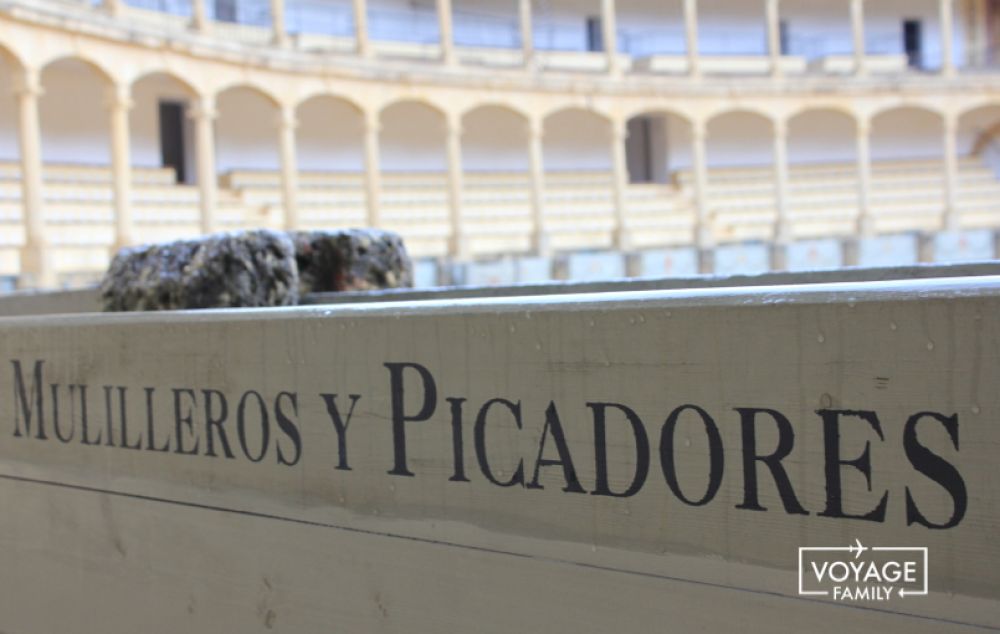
(857, 548)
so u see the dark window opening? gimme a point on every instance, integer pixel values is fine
(595, 37)
(172, 138)
(913, 41)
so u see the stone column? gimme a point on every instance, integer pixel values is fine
(864, 228)
(203, 114)
(289, 166)
(782, 226)
(947, 8)
(536, 166)
(609, 34)
(858, 32)
(199, 16)
(866, 220)
(618, 132)
(362, 45)
(527, 32)
(774, 36)
(704, 240)
(280, 33)
(691, 36)
(36, 261)
(119, 104)
(114, 7)
(950, 220)
(458, 243)
(373, 169)
(446, 35)
(978, 29)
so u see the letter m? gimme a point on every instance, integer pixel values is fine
(27, 407)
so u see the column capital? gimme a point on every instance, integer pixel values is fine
(950, 121)
(286, 118)
(535, 128)
(780, 128)
(29, 83)
(202, 108)
(453, 125)
(699, 129)
(863, 127)
(118, 97)
(617, 129)
(373, 121)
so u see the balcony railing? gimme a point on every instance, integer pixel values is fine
(484, 29)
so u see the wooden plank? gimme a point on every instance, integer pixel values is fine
(397, 533)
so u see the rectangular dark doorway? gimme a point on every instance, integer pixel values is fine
(172, 137)
(595, 35)
(639, 150)
(913, 43)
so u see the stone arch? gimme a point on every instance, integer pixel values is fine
(494, 138)
(822, 135)
(412, 137)
(736, 138)
(246, 129)
(576, 139)
(330, 134)
(73, 112)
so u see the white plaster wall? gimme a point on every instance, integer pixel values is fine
(494, 138)
(576, 140)
(8, 112)
(739, 138)
(73, 115)
(679, 141)
(246, 132)
(821, 136)
(144, 119)
(412, 139)
(906, 133)
(330, 136)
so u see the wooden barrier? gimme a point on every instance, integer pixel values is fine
(622, 461)
(87, 300)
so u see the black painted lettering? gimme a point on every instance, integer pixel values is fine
(241, 426)
(340, 424)
(184, 419)
(288, 427)
(786, 441)
(123, 422)
(151, 424)
(457, 444)
(834, 462)
(936, 468)
(399, 415)
(214, 423)
(28, 403)
(56, 426)
(715, 455)
(84, 416)
(479, 433)
(603, 486)
(554, 428)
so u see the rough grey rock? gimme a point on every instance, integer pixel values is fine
(351, 260)
(240, 269)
